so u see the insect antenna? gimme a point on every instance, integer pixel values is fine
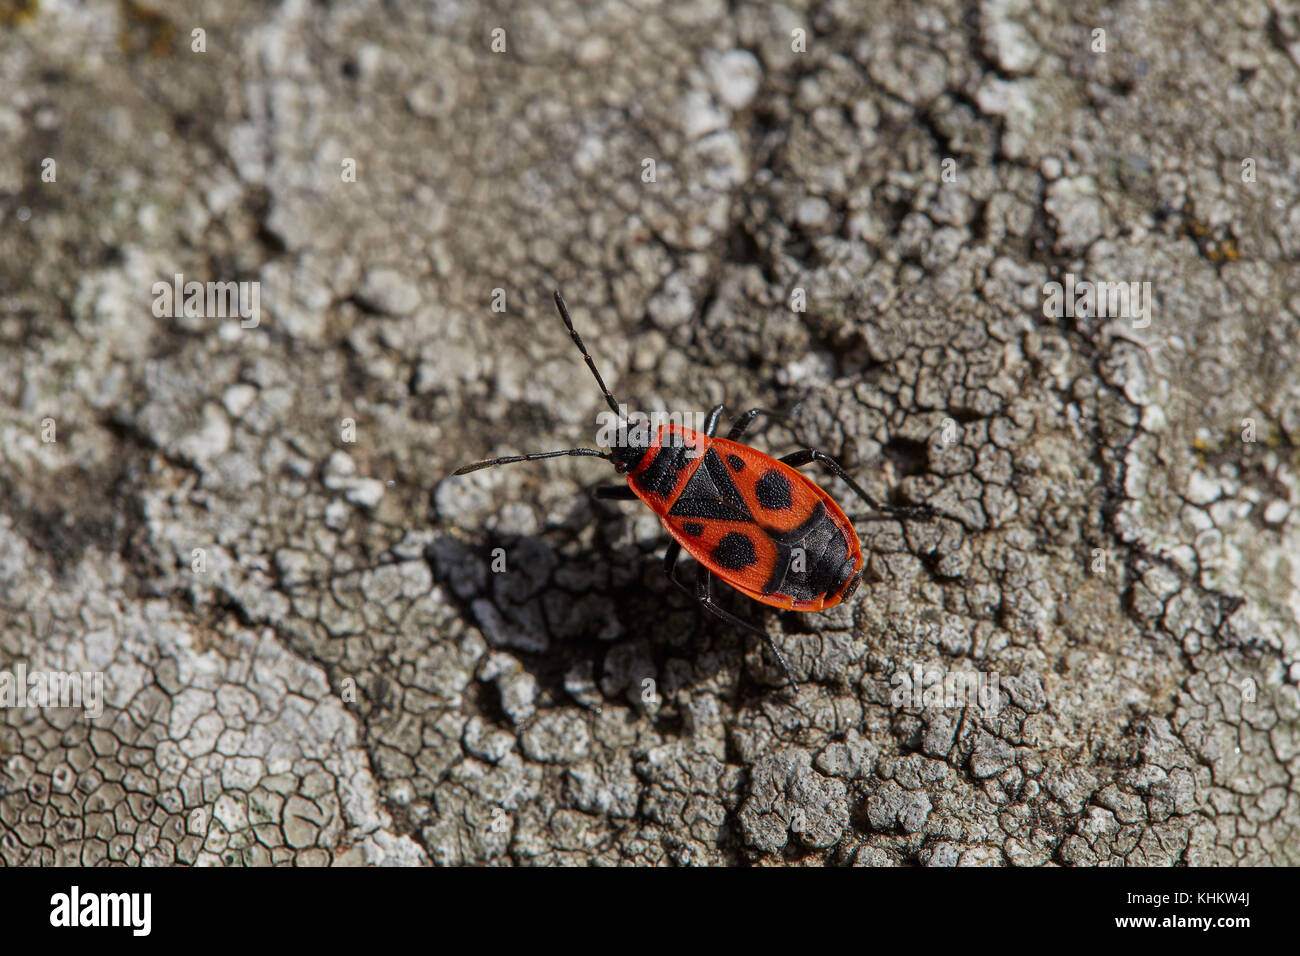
(511, 459)
(577, 340)
(577, 452)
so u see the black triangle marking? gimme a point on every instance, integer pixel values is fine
(711, 493)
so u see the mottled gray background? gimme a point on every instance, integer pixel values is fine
(348, 682)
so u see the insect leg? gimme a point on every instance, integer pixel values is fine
(795, 459)
(741, 424)
(704, 594)
(671, 557)
(711, 424)
(614, 493)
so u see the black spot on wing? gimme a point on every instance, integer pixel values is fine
(773, 491)
(735, 551)
(693, 528)
(736, 462)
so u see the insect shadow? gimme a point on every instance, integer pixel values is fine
(587, 610)
(592, 615)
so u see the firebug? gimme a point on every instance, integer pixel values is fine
(749, 520)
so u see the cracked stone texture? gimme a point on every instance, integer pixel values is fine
(348, 680)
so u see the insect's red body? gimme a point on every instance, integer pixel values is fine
(763, 528)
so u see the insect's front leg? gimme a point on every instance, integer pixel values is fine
(614, 493)
(711, 423)
(741, 424)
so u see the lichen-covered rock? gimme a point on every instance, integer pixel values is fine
(317, 649)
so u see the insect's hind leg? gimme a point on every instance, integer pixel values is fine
(704, 595)
(806, 455)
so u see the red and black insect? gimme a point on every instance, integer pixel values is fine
(749, 520)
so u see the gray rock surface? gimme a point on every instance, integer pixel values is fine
(308, 655)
